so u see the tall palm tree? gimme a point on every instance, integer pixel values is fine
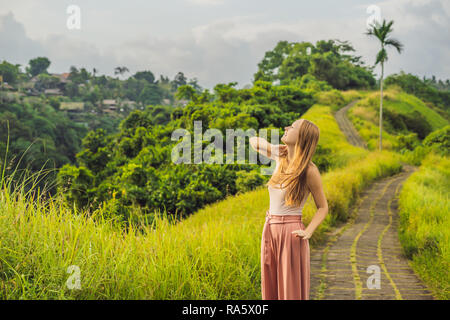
(120, 70)
(381, 32)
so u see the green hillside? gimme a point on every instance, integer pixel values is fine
(407, 120)
(213, 254)
(136, 225)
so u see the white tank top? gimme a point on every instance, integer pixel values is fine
(277, 203)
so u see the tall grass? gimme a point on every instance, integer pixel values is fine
(365, 116)
(336, 149)
(424, 209)
(214, 254)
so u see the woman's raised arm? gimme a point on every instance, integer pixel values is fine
(264, 147)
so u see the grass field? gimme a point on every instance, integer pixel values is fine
(425, 222)
(214, 253)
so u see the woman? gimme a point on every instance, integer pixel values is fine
(285, 256)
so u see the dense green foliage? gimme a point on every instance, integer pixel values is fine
(9, 72)
(116, 173)
(141, 87)
(407, 120)
(132, 165)
(439, 140)
(38, 65)
(425, 221)
(135, 165)
(213, 254)
(44, 136)
(38, 135)
(328, 61)
(424, 89)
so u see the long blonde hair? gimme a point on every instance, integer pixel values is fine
(293, 175)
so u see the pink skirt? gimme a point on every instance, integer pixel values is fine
(285, 259)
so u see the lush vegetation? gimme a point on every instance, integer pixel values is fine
(42, 135)
(86, 86)
(136, 163)
(123, 211)
(406, 120)
(213, 254)
(434, 93)
(331, 61)
(425, 221)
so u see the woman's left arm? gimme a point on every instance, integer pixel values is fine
(315, 186)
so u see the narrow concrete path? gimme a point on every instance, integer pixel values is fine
(340, 269)
(366, 247)
(347, 128)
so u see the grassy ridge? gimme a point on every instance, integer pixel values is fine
(214, 254)
(406, 103)
(339, 151)
(365, 116)
(424, 208)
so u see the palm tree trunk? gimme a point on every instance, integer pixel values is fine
(381, 103)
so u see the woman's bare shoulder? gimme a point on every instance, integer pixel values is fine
(312, 165)
(311, 172)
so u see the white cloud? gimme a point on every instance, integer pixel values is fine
(62, 51)
(15, 44)
(206, 2)
(422, 26)
(229, 49)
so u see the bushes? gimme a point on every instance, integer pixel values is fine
(247, 181)
(439, 140)
(407, 141)
(420, 88)
(331, 98)
(350, 95)
(425, 223)
(414, 152)
(124, 160)
(412, 121)
(404, 118)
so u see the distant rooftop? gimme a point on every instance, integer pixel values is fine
(53, 91)
(109, 102)
(72, 106)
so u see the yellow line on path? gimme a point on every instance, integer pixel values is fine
(356, 278)
(398, 296)
(321, 288)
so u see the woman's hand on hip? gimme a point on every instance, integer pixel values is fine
(305, 235)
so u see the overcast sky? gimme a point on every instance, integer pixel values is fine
(216, 41)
